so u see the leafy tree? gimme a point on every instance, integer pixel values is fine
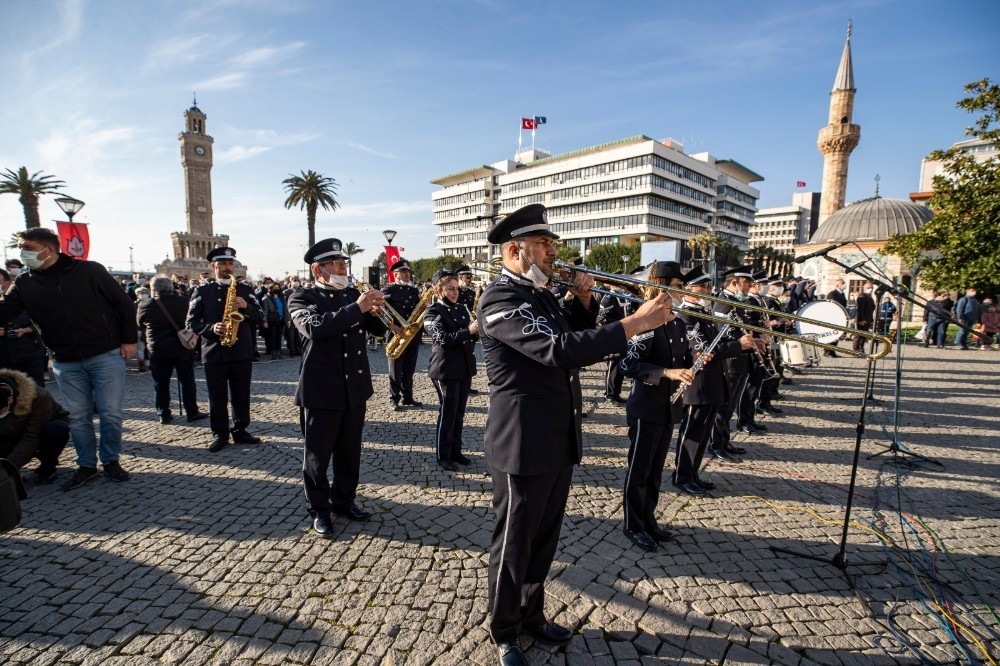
(959, 246)
(350, 250)
(567, 253)
(609, 257)
(310, 191)
(29, 189)
(424, 269)
(702, 244)
(379, 261)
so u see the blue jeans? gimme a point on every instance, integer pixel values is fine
(95, 382)
(962, 337)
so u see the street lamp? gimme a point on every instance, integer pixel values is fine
(389, 235)
(625, 264)
(70, 206)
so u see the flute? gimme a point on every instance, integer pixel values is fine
(702, 356)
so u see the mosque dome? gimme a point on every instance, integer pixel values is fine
(874, 219)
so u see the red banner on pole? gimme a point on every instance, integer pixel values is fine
(391, 257)
(74, 238)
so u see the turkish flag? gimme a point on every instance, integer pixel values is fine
(391, 257)
(800, 183)
(74, 238)
(528, 123)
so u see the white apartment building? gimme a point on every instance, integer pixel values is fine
(619, 192)
(786, 226)
(981, 150)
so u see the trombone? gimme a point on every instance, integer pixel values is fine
(885, 344)
(625, 281)
(385, 312)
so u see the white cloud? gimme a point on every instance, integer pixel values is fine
(371, 151)
(265, 55)
(239, 153)
(177, 51)
(228, 81)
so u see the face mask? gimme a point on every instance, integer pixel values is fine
(14, 271)
(30, 259)
(337, 281)
(535, 274)
(225, 281)
(785, 299)
(296, 285)
(705, 303)
(144, 297)
(868, 291)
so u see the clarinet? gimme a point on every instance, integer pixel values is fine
(699, 346)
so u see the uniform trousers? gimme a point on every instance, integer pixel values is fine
(614, 379)
(453, 396)
(692, 438)
(719, 438)
(232, 378)
(529, 512)
(161, 368)
(749, 397)
(331, 435)
(401, 373)
(647, 455)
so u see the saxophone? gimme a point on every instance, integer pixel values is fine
(414, 325)
(231, 318)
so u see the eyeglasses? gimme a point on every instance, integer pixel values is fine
(337, 263)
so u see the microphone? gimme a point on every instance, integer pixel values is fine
(819, 253)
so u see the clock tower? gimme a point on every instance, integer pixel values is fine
(191, 246)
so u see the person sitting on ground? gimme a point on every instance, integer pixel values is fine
(32, 424)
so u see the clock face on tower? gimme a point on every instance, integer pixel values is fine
(200, 150)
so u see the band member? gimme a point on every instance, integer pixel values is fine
(710, 389)
(657, 361)
(738, 281)
(612, 309)
(760, 370)
(452, 365)
(533, 429)
(779, 324)
(466, 292)
(403, 296)
(334, 383)
(226, 367)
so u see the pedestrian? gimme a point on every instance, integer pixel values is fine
(335, 382)
(228, 369)
(966, 312)
(452, 366)
(991, 326)
(864, 319)
(837, 296)
(936, 314)
(21, 347)
(88, 324)
(276, 319)
(32, 424)
(886, 314)
(533, 436)
(158, 318)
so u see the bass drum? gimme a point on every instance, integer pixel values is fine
(827, 312)
(792, 353)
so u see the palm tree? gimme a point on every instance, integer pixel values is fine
(310, 191)
(350, 250)
(702, 243)
(28, 188)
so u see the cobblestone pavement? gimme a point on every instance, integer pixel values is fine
(207, 558)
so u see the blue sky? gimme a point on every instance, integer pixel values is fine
(386, 96)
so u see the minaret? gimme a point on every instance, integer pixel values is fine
(839, 137)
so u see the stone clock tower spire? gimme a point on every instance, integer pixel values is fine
(839, 137)
(191, 246)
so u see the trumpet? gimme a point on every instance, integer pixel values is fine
(385, 312)
(885, 344)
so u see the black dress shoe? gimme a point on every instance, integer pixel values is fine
(787, 380)
(412, 403)
(448, 465)
(690, 488)
(218, 443)
(615, 398)
(353, 513)
(759, 427)
(661, 535)
(462, 460)
(196, 416)
(641, 539)
(707, 485)
(243, 437)
(323, 526)
(734, 450)
(770, 411)
(748, 429)
(166, 418)
(511, 654)
(394, 406)
(549, 632)
(720, 454)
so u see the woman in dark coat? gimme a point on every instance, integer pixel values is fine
(452, 365)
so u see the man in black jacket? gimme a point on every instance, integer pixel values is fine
(404, 297)
(837, 296)
(227, 369)
(32, 424)
(865, 317)
(88, 324)
(533, 430)
(160, 318)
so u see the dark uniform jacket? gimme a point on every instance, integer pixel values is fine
(78, 307)
(533, 353)
(403, 298)
(648, 355)
(161, 336)
(207, 304)
(710, 386)
(453, 354)
(14, 349)
(32, 409)
(335, 374)
(741, 363)
(467, 297)
(612, 309)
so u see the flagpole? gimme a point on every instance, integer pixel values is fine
(520, 131)
(534, 126)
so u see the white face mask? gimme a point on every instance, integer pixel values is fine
(534, 274)
(705, 303)
(225, 281)
(338, 281)
(868, 291)
(30, 259)
(14, 271)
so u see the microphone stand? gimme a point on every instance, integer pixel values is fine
(899, 451)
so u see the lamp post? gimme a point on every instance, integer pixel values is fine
(625, 264)
(389, 235)
(70, 206)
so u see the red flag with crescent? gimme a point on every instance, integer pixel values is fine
(74, 238)
(391, 257)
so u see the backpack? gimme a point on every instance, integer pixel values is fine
(11, 494)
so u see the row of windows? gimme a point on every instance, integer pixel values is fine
(611, 167)
(461, 198)
(461, 238)
(733, 208)
(529, 184)
(517, 202)
(645, 220)
(630, 183)
(683, 172)
(640, 201)
(735, 240)
(732, 225)
(459, 212)
(484, 182)
(733, 193)
(464, 225)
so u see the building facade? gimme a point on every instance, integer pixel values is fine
(635, 189)
(979, 149)
(784, 227)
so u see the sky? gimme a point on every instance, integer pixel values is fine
(385, 96)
